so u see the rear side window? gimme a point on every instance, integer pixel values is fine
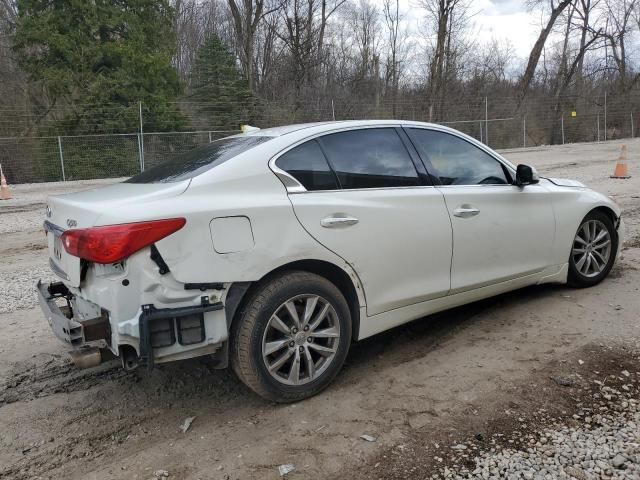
(370, 158)
(307, 164)
(194, 162)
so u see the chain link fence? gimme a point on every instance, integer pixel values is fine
(499, 123)
(87, 157)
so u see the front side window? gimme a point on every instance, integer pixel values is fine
(456, 161)
(370, 158)
(194, 162)
(307, 164)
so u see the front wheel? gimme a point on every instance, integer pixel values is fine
(593, 250)
(292, 337)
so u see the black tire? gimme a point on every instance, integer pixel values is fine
(248, 332)
(578, 279)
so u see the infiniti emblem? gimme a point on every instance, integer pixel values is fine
(71, 222)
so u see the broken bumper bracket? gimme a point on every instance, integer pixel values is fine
(150, 314)
(66, 329)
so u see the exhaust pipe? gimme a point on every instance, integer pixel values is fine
(129, 357)
(87, 358)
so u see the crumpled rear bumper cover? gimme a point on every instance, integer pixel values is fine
(67, 330)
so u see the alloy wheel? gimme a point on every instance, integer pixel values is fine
(591, 248)
(301, 339)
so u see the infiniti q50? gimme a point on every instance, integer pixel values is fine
(272, 251)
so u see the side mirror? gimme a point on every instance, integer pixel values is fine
(526, 175)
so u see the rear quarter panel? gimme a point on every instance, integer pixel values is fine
(243, 187)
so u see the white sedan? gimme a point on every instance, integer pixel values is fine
(277, 248)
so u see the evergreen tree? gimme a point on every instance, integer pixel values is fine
(99, 58)
(218, 87)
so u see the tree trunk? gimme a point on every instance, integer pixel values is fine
(586, 10)
(536, 51)
(245, 24)
(437, 64)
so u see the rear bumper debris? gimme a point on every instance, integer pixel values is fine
(66, 329)
(77, 333)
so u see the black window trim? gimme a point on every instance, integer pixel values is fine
(318, 140)
(433, 173)
(293, 186)
(424, 176)
(291, 183)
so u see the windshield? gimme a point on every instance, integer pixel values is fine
(194, 162)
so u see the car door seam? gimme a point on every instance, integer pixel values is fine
(355, 272)
(446, 205)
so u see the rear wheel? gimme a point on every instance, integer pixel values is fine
(593, 250)
(292, 337)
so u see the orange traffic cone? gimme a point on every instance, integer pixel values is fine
(5, 194)
(621, 170)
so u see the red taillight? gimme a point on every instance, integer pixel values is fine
(112, 243)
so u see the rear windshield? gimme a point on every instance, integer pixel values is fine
(194, 162)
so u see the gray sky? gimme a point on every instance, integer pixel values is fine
(507, 19)
(493, 19)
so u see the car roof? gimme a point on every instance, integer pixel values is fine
(319, 127)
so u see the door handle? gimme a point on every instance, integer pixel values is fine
(338, 222)
(465, 212)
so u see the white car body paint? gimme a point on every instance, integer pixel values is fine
(408, 256)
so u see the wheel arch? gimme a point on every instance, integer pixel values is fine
(577, 278)
(608, 211)
(240, 292)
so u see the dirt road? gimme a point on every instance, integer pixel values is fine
(438, 378)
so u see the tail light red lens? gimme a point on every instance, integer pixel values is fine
(113, 243)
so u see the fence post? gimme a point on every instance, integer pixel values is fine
(598, 121)
(141, 143)
(209, 137)
(139, 153)
(486, 118)
(333, 111)
(631, 124)
(64, 178)
(562, 126)
(480, 123)
(605, 116)
(524, 131)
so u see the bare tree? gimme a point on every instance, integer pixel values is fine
(396, 54)
(490, 62)
(247, 15)
(619, 16)
(364, 22)
(305, 23)
(268, 53)
(448, 20)
(571, 60)
(555, 10)
(584, 13)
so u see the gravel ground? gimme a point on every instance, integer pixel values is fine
(22, 220)
(17, 287)
(579, 419)
(23, 254)
(605, 444)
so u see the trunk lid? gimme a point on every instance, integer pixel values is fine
(84, 209)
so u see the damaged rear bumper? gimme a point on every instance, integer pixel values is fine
(154, 335)
(66, 327)
(159, 327)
